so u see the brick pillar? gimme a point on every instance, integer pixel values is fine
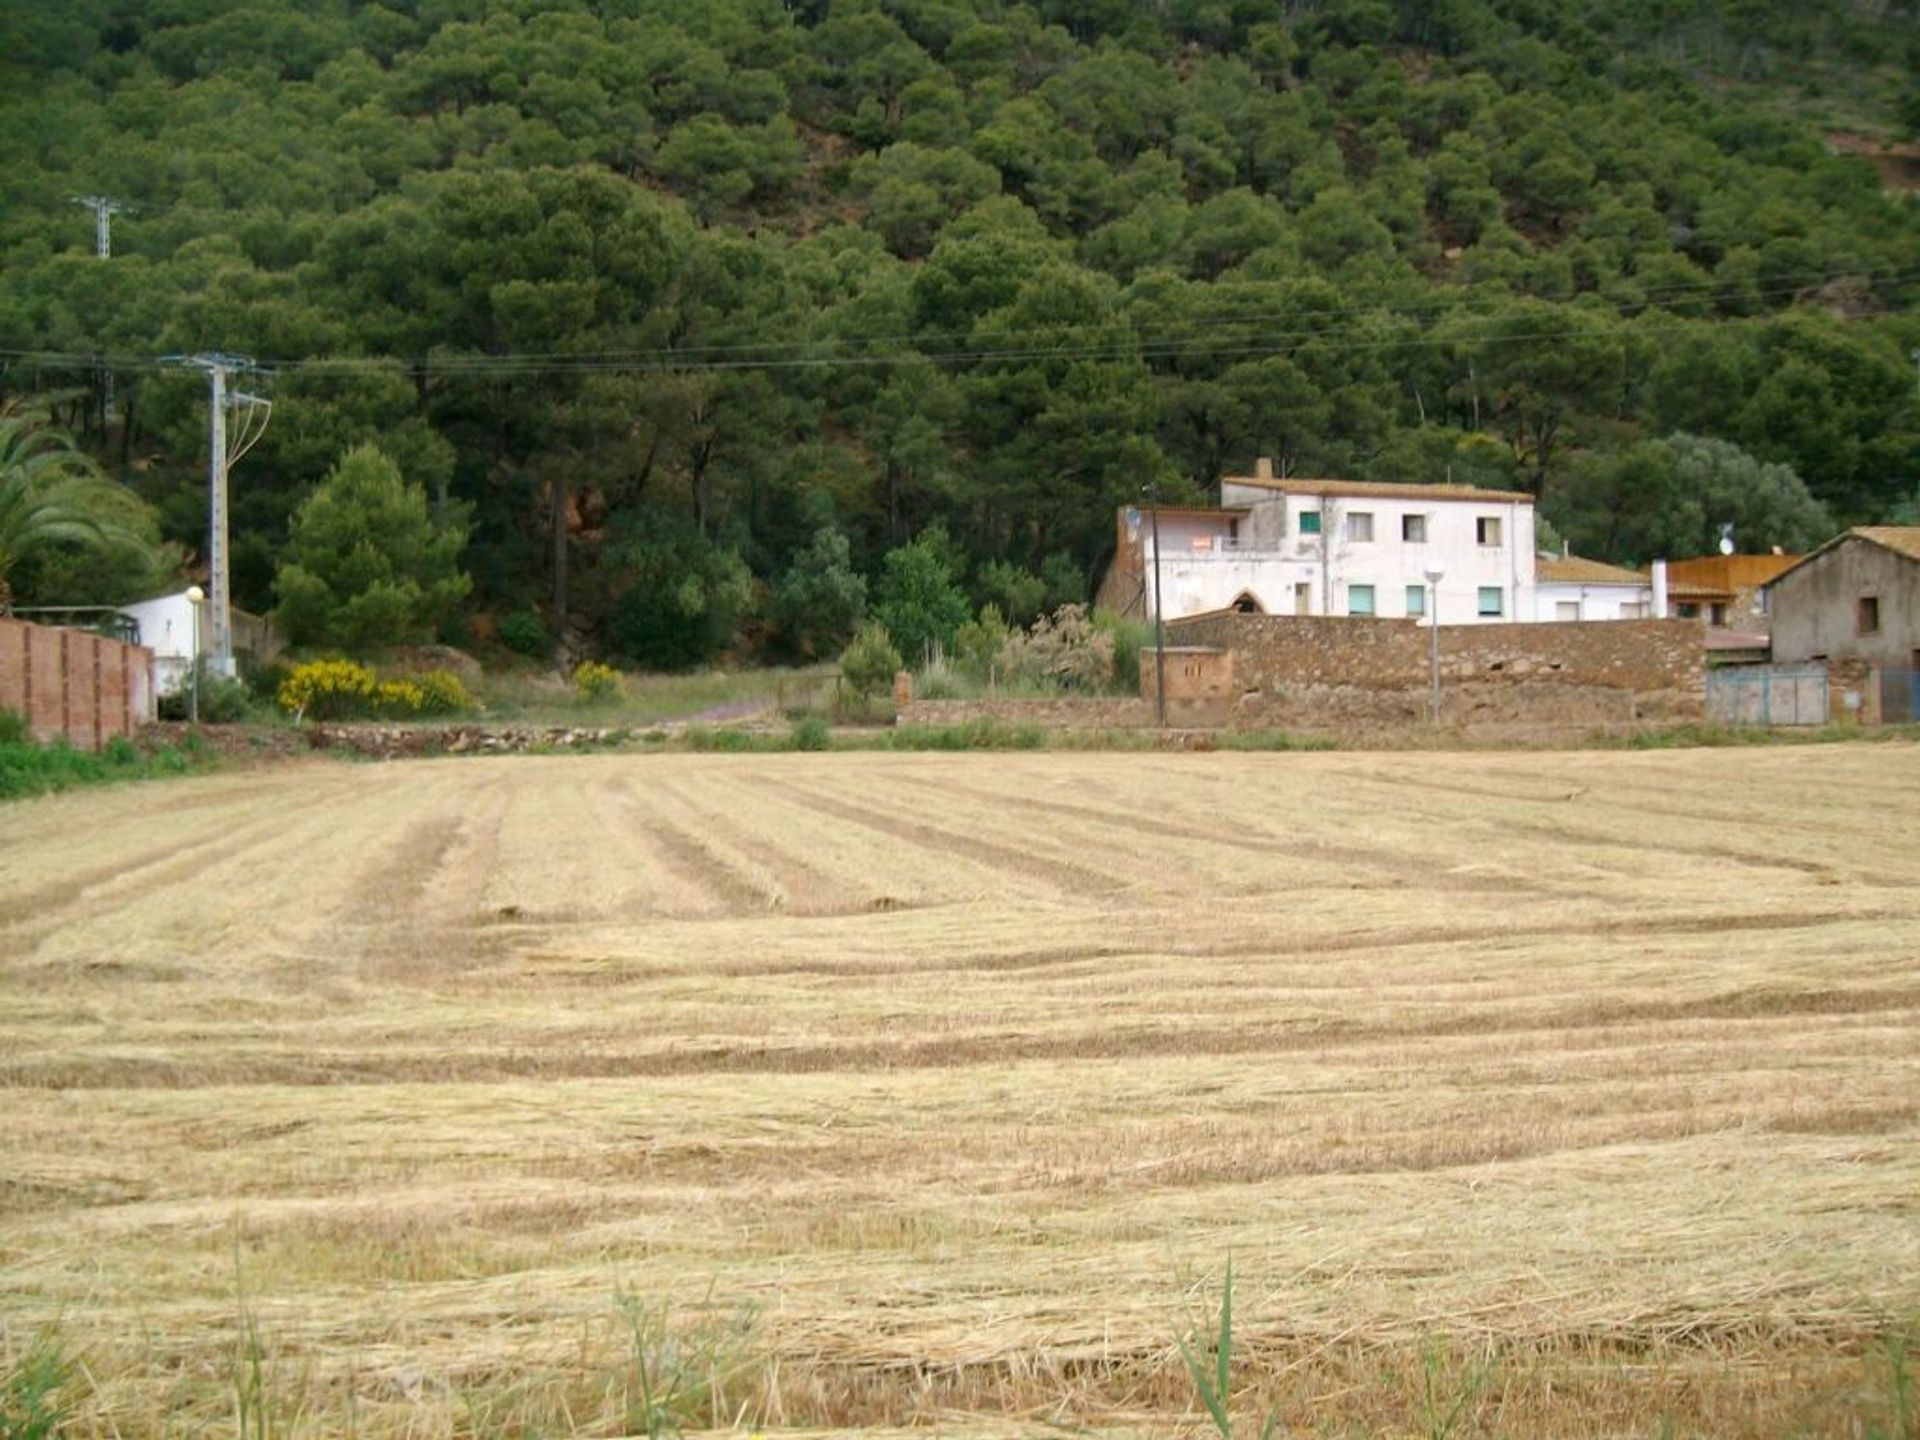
(26, 675)
(99, 726)
(66, 682)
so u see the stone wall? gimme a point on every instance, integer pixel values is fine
(1197, 674)
(73, 684)
(1065, 713)
(1652, 655)
(1345, 672)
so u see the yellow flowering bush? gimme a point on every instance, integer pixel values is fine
(328, 690)
(442, 693)
(397, 699)
(345, 690)
(593, 682)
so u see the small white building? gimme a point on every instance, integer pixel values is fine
(1333, 547)
(1567, 587)
(167, 627)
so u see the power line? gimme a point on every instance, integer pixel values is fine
(689, 356)
(1131, 343)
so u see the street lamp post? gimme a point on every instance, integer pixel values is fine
(195, 595)
(1435, 574)
(1159, 623)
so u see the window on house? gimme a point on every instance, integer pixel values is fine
(1233, 532)
(1492, 599)
(1566, 609)
(1302, 598)
(1487, 529)
(1360, 527)
(1413, 529)
(1687, 612)
(1869, 614)
(1359, 600)
(1309, 522)
(1716, 615)
(1416, 600)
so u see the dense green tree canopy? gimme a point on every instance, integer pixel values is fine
(365, 564)
(655, 293)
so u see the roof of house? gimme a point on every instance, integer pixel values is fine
(1698, 592)
(1202, 511)
(1727, 572)
(1574, 570)
(1902, 540)
(1378, 489)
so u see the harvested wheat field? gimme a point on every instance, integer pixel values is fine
(1530, 1094)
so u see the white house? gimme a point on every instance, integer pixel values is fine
(1567, 587)
(1333, 547)
(167, 626)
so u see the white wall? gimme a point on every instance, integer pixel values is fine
(166, 628)
(1595, 602)
(1331, 563)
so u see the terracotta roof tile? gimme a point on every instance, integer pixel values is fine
(1378, 489)
(1901, 539)
(1575, 570)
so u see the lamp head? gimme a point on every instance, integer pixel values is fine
(195, 594)
(1435, 574)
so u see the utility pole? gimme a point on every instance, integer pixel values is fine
(103, 212)
(1159, 623)
(222, 453)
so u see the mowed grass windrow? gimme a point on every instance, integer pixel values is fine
(1528, 1094)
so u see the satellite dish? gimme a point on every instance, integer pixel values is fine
(1726, 539)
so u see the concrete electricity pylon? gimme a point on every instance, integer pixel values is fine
(224, 451)
(103, 212)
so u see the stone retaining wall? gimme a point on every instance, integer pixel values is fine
(1085, 712)
(1344, 672)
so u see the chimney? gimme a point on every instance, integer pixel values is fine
(1263, 468)
(1659, 589)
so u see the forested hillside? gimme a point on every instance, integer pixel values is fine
(649, 293)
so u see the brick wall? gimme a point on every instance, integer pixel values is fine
(75, 684)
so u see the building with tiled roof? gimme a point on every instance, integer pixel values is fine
(1857, 597)
(1291, 546)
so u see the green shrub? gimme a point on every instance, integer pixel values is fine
(222, 701)
(870, 661)
(13, 728)
(525, 633)
(810, 732)
(27, 769)
(1129, 638)
(975, 735)
(264, 678)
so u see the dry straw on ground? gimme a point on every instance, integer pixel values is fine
(1583, 1089)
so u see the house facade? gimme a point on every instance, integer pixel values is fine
(1857, 597)
(1331, 547)
(1567, 587)
(1728, 592)
(168, 626)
